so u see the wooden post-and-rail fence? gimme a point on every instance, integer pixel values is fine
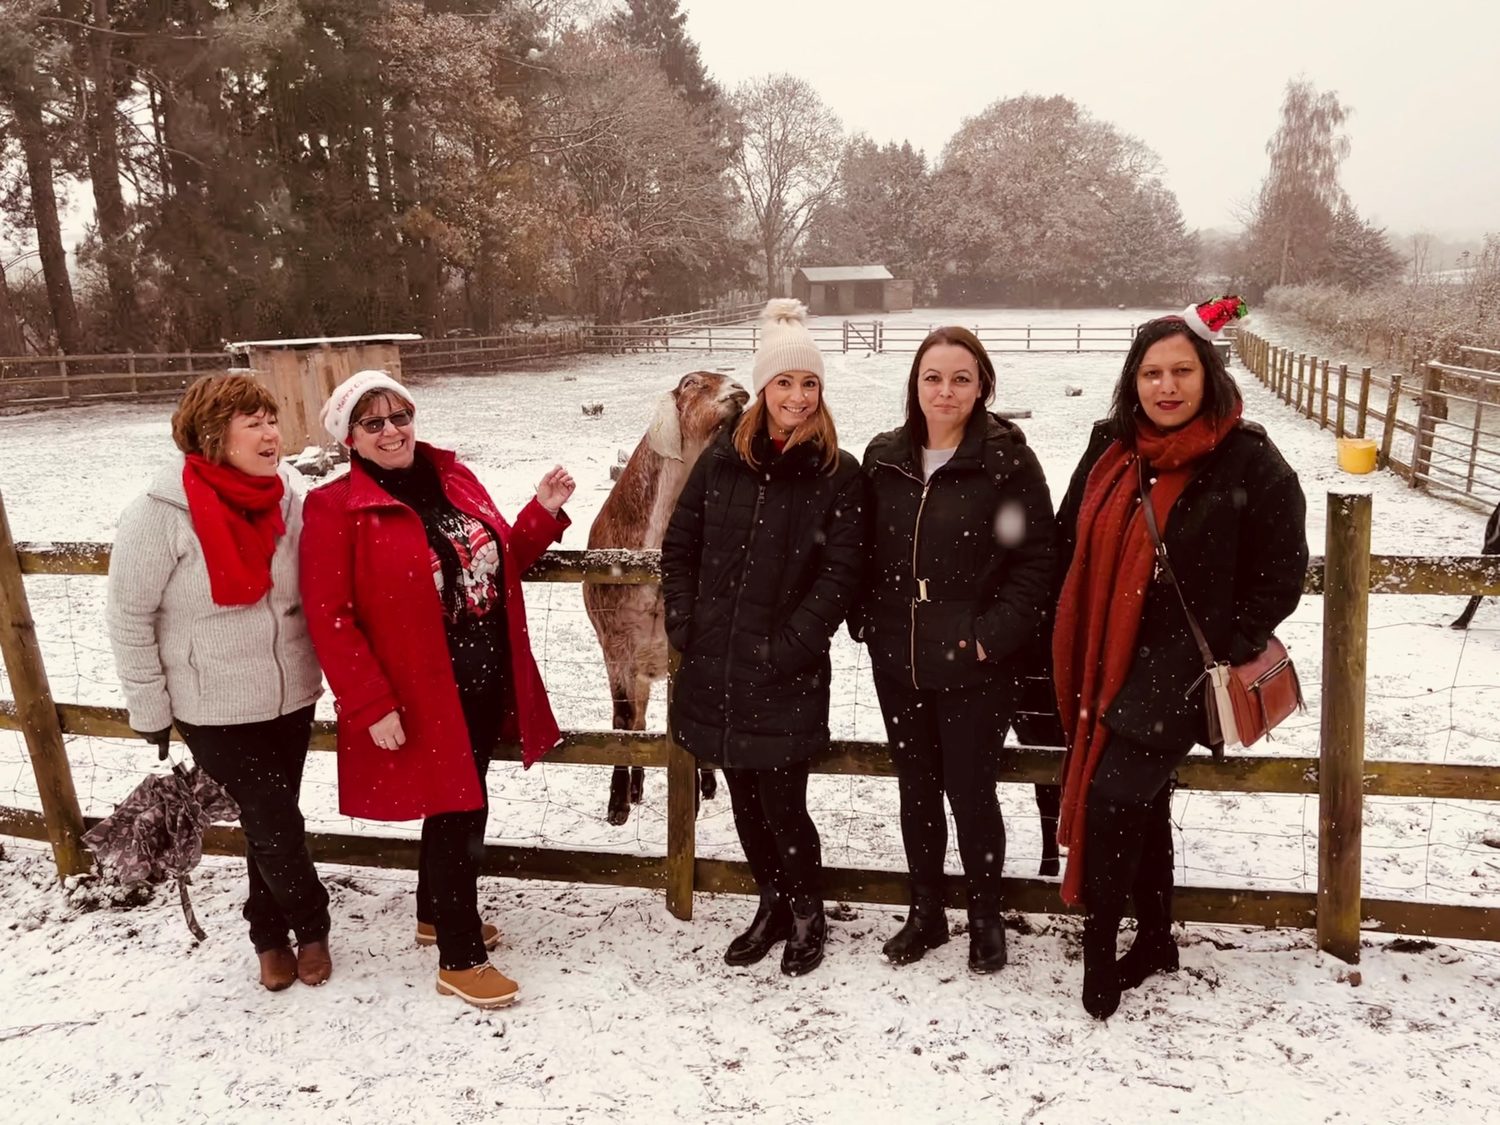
(1340, 776)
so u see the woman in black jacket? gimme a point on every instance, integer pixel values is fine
(1232, 517)
(961, 572)
(760, 562)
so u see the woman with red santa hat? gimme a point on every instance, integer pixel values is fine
(1230, 514)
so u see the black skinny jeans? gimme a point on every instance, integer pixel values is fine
(453, 843)
(776, 832)
(949, 741)
(260, 766)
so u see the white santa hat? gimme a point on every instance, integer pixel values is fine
(337, 411)
(785, 343)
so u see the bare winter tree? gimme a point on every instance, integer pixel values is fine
(788, 145)
(1300, 195)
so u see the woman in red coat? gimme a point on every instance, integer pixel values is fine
(411, 581)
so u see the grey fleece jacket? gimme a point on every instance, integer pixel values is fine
(177, 653)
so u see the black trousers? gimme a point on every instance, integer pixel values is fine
(949, 742)
(1129, 847)
(776, 832)
(452, 844)
(260, 765)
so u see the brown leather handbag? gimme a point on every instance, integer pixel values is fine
(1244, 702)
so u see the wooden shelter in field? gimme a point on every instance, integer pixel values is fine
(302, 374)
(841, 290)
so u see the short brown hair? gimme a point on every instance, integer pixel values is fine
(201, 420)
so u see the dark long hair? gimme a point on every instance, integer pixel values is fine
(916, 421)
(1220, 394)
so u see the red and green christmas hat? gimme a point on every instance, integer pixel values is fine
(1208, 318)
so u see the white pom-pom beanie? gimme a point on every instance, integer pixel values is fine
(785, 343)
(336, 412)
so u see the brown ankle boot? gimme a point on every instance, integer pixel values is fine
(314, 965)
(278, 968)
(484, 986)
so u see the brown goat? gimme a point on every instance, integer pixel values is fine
(630, 621)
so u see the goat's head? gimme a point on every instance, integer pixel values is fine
(688, 416)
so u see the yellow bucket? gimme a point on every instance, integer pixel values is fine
(1356, 455)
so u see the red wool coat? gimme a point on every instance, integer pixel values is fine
(376, 621)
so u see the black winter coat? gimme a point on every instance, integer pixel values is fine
(1237, 540)
(758, 570)
(965, 557)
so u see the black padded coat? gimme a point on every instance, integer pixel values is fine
(759, 568)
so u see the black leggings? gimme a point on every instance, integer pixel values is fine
(776, 832)
(949, 742)
(260, 766)
(452, 846)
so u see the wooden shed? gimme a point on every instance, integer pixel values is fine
(302, 374)
(842, 290)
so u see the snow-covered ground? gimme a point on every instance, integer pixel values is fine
(626, 1009)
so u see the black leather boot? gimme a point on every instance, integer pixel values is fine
(986, 942)
(804, 948)
(926, 927)
(1114, 837)
(1153, 950)
(772, 923)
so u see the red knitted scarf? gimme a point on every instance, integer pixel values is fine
(238, 520)
(1099, 612)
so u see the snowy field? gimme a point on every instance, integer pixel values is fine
(627, 1010)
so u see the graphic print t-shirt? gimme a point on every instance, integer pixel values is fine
(478, 560)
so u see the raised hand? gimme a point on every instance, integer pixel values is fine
(553, 490)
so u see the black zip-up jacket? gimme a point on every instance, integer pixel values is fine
(1237, 541)
(965, 557)
(759, 568)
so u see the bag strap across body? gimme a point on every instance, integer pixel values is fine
(1166, 568)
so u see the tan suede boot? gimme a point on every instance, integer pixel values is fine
(484, 986)
(278, 968)
(427, 934)
(314, 964)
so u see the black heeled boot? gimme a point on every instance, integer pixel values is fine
(1153, 950)
(1114, 838)
(804, 946)
(926, 927)
(986, 943)
(772, 923)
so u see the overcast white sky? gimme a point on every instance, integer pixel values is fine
(1200, 83)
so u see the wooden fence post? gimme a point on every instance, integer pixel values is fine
(135, 386)
(1338, 425)
(37, 714)
(1421, 458)
(62, 375)
(1393, 404)
(1322, 400)
(1341, 760)
(1365, 375)
(682, 814)
(1301, 379)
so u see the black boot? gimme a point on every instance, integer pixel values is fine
(926, 927)
(1153, 950)
(1112, 855)
(804, 947)
(986, 942)
(772, 923)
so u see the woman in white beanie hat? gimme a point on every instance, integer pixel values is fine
(760, 562)
(411, 582)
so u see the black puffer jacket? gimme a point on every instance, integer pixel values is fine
(967, 556)
(1237, 540)
(758, 570)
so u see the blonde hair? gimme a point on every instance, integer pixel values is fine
(817, 429)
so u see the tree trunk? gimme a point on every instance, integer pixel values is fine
(33, 131)
(109, 202)
(11, 340)
(773, 280)
(1286, 251)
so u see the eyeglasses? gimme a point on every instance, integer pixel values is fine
(401, 419)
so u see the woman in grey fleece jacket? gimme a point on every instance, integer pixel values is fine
(205, 618)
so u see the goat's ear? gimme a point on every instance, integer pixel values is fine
(664, 434)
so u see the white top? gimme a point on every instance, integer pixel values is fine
(935, 459)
